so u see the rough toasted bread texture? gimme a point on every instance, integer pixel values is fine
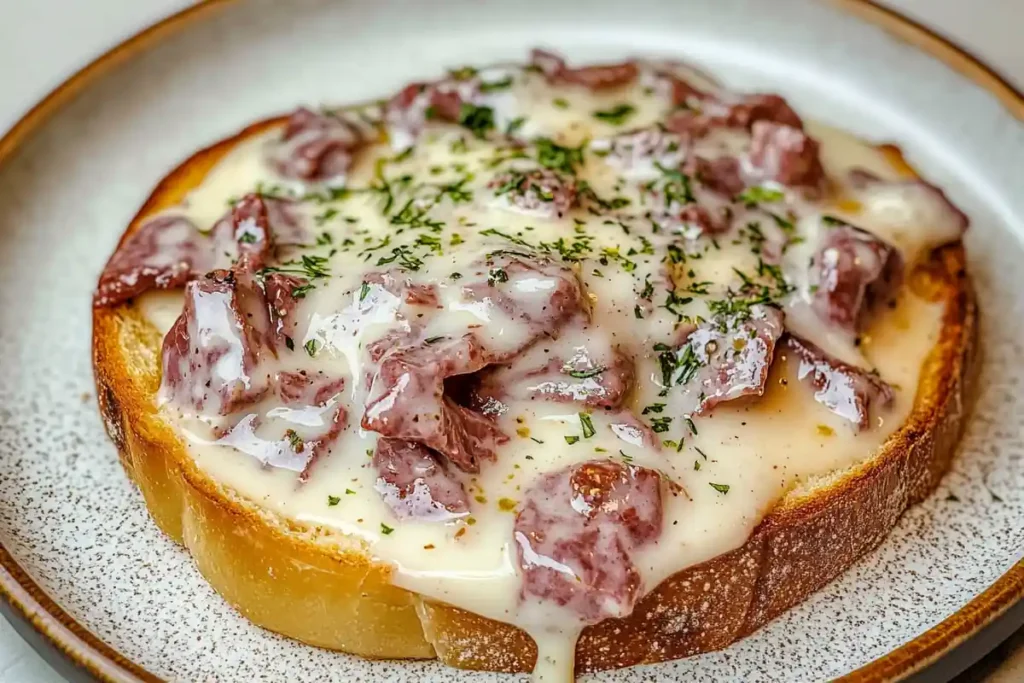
(319, 587)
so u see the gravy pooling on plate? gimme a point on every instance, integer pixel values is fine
(541, 336)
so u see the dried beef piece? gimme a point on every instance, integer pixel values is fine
(741, 112)
(540, 192)
(415, 484)
(213, 354)
(316, 146)
(724, 358)
(846, 390)
(595, 77)
(407, 401)
(722, 174)
(540, 292)
(164, 253)
(403, 287)
(297, 433)
(283, 295)
(601, 379)
(785, 155)
(576, 534)
(642, 153)
(851, 269)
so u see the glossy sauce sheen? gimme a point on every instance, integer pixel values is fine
(728, 465)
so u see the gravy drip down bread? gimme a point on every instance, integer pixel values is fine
(529, 342)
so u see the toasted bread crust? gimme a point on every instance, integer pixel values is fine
(313, 585)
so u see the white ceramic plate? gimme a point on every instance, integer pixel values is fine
(70, 519)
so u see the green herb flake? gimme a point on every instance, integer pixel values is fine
(479, 120)
(558, 158)
(660, 424)
(514, 125)
(294, 440)
(311, 347)
(583, 374)
(721, 488)
(496, 275)
(588, 426)
(327, 215)
(617, 115)
(496, 85)
(571, 439)
(301, 291)
(385, 529)
(333, 500)
(760, 195)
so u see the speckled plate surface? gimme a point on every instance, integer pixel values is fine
(71, 521)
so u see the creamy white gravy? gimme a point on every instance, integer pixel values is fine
(734, 464)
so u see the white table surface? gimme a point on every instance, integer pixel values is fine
(37, 53)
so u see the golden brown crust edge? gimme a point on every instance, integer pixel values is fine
(309, 585)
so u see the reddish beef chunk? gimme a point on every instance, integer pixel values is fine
(253, 227)
(725, 358)
(542, 191)
(415, 484)
(847, 391)
(710, 113)
(398, 337)
(283, 294)
(315, 414)
(785, 155)
(441, 98)
(315, 146)
(682, 93)
(407, 401)
(721, 175)
(295, 435)
(760, 107)
(407, 396)
(212, 354)
(412, 293)
(693, 220)
(640, 152)
(577, 532)
(164, 253)
(307, 389)
(601, 380)
(249, 224)
(408, 112)
(542, 293)
(851, 268)
(597, 77)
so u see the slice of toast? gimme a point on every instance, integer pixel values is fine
(320, 587)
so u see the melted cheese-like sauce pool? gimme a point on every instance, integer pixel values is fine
(742, 458)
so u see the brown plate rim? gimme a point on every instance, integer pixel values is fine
(88, 651)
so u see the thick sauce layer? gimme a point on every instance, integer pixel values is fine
(430, 205)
